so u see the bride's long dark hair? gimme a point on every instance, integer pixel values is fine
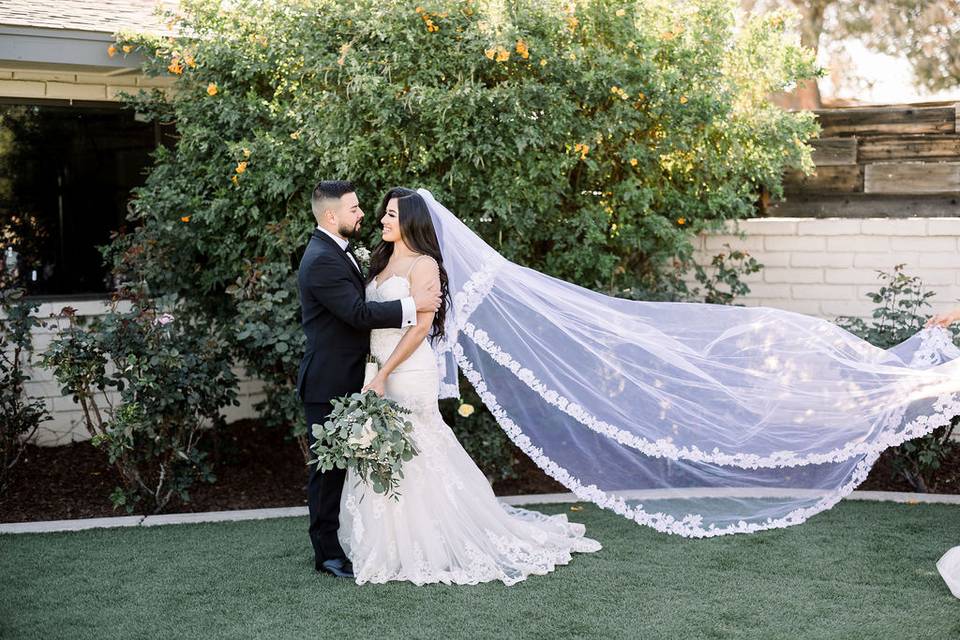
(417, 232)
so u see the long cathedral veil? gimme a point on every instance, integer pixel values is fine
(694, 419)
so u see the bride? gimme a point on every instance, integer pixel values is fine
(697, 420)
(447, 525)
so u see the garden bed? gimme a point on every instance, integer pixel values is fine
(256, 468)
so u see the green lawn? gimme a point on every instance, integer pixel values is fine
(862, 570)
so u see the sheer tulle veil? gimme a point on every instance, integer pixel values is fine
(694, 419)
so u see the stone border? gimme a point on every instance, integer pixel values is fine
(50, 526)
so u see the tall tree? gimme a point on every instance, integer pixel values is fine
(926, 32)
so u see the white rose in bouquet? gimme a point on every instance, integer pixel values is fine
(368, 434)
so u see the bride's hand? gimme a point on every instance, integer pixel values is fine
(943, 320)
(376, 384)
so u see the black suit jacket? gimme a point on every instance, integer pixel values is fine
(336, 320)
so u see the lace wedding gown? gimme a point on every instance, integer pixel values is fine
(447, 525)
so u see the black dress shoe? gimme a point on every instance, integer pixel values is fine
(339, 567)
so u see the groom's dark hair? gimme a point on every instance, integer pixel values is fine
(330, 189)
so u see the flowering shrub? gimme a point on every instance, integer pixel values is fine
(587, 140)
(173, 375)
(20, 415)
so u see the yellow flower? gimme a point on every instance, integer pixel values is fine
(522, 49)
(490, 53)
(111, 51)
(683, 99)
(502, 54)
(241, 167)
(175, 66)
(295, 135)
(212, 89)
(127, 48)
(621, 13)
(582, 149)
(681, 221)
(184, 218)
(419, 9)
(234, 180)
(543, 62)
(633, 162)
(189, 60)
(465, 410)
(573, 56)
(246, 152)
(572, 23)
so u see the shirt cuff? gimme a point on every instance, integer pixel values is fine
(409, 312)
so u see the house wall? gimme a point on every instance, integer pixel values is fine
(67, 85)
(67, 424)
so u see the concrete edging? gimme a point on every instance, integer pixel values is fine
(50, 526)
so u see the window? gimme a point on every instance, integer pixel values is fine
(66, 171)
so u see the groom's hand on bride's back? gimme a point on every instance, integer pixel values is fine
(427, 296)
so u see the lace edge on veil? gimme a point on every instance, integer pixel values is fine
(690, 525)
(947, 406)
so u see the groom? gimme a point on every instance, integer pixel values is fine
(337, 321)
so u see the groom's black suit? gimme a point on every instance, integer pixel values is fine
(337, 321)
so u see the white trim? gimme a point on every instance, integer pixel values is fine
(50, 526)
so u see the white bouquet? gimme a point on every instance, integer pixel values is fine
(367, 433)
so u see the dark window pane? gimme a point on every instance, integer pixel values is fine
(65, 178)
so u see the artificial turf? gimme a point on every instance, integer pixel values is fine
(861, 570)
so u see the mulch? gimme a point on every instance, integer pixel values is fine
(256, 467)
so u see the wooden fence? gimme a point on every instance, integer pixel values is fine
(896, 161)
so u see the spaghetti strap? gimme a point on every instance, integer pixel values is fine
(412, 265)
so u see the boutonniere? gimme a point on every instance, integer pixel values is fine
(363, 255)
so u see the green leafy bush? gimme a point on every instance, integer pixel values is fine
(587, 140)
(900, 314)
(173, 375)
(20, 415)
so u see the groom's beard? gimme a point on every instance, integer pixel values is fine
(349, 232)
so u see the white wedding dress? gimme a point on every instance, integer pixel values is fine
(447, 525)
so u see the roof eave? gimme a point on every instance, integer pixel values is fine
(69, 47)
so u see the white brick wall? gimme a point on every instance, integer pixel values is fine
(825, 267)
(818, 267)
(67, 424)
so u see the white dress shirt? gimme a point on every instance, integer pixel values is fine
(408, 305)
